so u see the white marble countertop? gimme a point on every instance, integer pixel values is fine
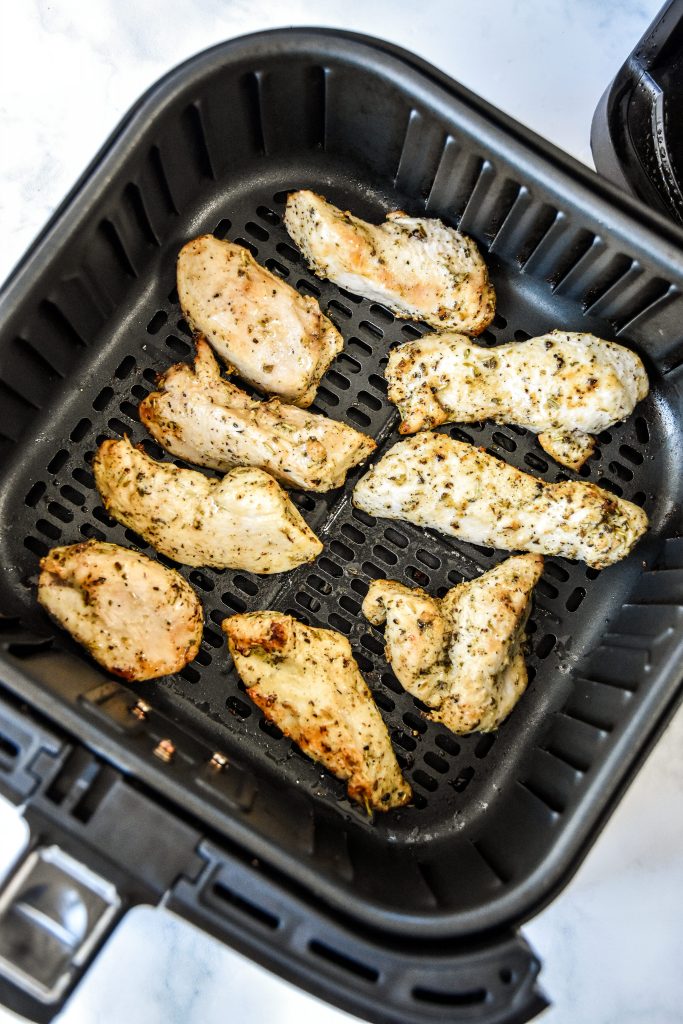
(612, 942)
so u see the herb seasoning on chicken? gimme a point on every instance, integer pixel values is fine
(273, 337)
(307, 681)
(243, 521)
(419, 268)
(564, 385)
(199, 416)
(137, 618)
(460, 655)
(432, 480)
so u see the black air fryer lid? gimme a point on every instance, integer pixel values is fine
(637, 131)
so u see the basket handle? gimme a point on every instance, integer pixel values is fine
(87, 864)
(371, 975)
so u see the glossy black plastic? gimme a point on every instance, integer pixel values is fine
(637, 131)
(499, 822)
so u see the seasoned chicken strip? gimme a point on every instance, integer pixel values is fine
(461, 655)
(276, 339)
(203, 418)
(243, 521)
(418, 268)
(563, 385)
(432, 480)
(137, 618)
(306, 681)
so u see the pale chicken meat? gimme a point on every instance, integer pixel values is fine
(273, 337)
(434, 481)
(203, 418)
(137, 618)
(563, 385)
(242, 521)
(461, 655)
(418, 267)
(307, 682)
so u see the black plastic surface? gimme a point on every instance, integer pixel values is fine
(360, 971)
(78, 803)
(637, 131)
(81, 804)
(498, 822)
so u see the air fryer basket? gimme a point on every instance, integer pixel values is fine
(91, 316)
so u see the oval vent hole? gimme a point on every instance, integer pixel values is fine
(471, 997)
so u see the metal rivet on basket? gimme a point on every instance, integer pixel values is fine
(165, 751)
(141, 709)
(218, 761)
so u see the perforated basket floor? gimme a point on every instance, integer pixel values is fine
(93, 317)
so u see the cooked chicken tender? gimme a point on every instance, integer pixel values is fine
(199, 416)
(137, 618)
(461, 655)
(274, 338)
(243, 521)
(307, 681)
(418, 268)
(432, 480)
(564, 386)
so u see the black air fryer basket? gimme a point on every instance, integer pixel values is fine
(180, 790)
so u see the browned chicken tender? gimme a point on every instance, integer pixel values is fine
(565, 385)
(137, 618)
(275, 338)
(243, 521)
(418, 267)
(461, 655)
(307, 682)
(433, 480)
(203, 418)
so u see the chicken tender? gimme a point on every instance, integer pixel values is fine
(274, 338)
(136, 618)
(434, 481)
(460, 655)
(564, 386)
(199, 416)
(418, 268)
(307, 681)
(242, 521)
